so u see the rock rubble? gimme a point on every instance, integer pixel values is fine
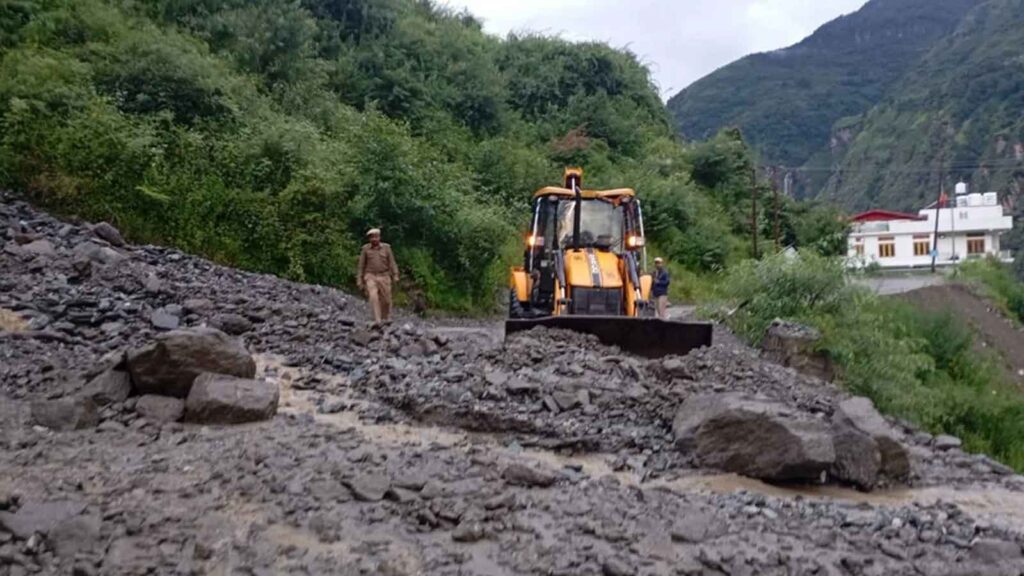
(345, 472)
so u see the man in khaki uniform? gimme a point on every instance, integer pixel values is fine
(377, 270)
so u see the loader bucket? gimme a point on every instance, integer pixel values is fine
(648, 337)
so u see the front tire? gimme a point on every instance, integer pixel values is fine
(515, 307)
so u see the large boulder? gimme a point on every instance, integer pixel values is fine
(69, 413)
(169, 364)
(859, 416)
(795, 346)
(754, 437)
(220, 399)
(858, 461)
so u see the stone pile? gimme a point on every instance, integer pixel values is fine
(200, 375)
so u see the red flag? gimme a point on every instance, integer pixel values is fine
(943, 198)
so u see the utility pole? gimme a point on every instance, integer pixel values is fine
(775, 194)
(753, 210)
(938, 213)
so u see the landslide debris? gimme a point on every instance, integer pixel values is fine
(327, 485)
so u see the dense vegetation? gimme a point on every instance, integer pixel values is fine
(787, 102)
(270, 134)
(916, 365)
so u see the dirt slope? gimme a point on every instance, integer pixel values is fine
(994, 331)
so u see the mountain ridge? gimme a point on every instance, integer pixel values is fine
(788, 107)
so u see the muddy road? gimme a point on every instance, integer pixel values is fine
(427, 448)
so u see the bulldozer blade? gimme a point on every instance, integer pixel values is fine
(648, 337)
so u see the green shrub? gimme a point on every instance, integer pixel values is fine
(916, 365)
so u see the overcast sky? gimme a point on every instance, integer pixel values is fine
(680, 40)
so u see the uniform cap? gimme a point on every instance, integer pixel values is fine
(373, 231)
(658, 260)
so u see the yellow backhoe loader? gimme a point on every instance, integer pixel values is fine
(583, 270)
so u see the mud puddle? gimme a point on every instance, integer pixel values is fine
(997, 506)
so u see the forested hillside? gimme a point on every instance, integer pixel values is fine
(957, 114)
(786, 102)
(270, 134)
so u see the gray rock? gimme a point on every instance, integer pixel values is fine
(496, 378)
(197, 305)
(169, 364)
(39, 248)
(160, 408)
(77, 535)
(92, 252)
(131, 555)
(696, 527)
(152, 284)
(369, 487)
(110, 387)
(221, 399)
(39, 517)
(469, 531)
(69, 413)
(753, 437)
(795, 345)
(522, 475)
(109, 233)
(364, 337)
(675, 367)
(945, 442)
(858, 415)
(162, 320)
(858, 460)
(520, 386)
(991, 551)
(234, 324)
(616, 567)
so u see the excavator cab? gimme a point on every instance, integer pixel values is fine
(583, 269)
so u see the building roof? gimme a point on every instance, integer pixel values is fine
(885, 215)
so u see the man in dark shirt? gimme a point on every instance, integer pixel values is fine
(377, 271)
(660, 288)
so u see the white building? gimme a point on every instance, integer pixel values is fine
(970, 227)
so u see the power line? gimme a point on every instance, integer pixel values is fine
(903, 170)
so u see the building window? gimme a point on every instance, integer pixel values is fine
(963, 215)
(887, 247)
(975, 244)
(922, 247)
(858, 249)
